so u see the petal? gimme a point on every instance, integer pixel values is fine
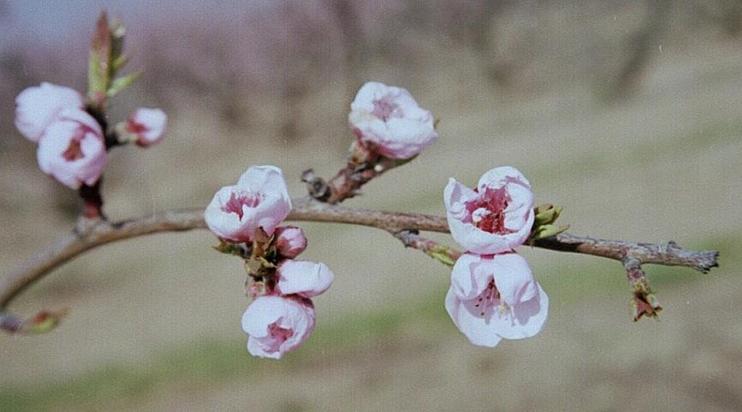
(225, 225)
(37, 107)
(469, 277)
(256, 349)
(480, 242)
(513, 278)
(473, 327)
(307, 279)
(499, 176)
(525, 319)
(455, 196)
(261, 313)
(148, 124)
(366, 95)
(264, 179)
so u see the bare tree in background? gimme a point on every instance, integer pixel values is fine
(724, 13)
(641, 48)
(352, 39)
(4, 10)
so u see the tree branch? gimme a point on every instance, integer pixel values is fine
(401, 225)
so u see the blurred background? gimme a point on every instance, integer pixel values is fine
(627, 113)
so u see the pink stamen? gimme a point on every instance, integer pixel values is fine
(237, 201)
(383, 108)
(280, 334)
(495, 201)
(488, 298)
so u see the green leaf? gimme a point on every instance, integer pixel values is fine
(121, 83)
(442, 257)
(99, 63)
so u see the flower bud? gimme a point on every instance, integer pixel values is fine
(290, 241)
(37, 107)
(72, 149)
(277, 325)
(307, 279)
(147, 125)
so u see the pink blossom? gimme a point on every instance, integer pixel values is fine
(37, 107)
(148, 125)
(277, 325)
(303, 278)
(290, 241)
(72, 149)
(259, 200)
(388, 120)
(495, 297)
(493, 218)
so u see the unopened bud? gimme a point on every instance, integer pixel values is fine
(290, 241)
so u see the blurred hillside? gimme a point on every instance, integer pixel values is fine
(627, 113)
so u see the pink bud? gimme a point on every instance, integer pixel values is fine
(389, 121)
(37, 107)
(277, 325)
(260, 200)
(493, 218)
(72, 149)
(307, 279)
(148, 125)
(290, 241)
(495, 297)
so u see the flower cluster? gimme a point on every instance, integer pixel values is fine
(493, 293)
(72, 143)
(247, 216)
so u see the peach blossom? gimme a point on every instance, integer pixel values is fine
(276, 325)
(72, 149)
(493, 218)
(495, 297)
(388, 120)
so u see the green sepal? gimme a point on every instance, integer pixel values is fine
(232, 249)
(546, 214)
(545, 231)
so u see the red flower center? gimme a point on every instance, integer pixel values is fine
(383, 108)
(136, 128)
(488, 211)
(73, 152)
(279, 334)
(237, 201)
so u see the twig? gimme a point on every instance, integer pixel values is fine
(363, 165)
(306, 209)
(441, 253)
(643, 303)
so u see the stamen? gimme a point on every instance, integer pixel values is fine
(237, 201)
(383, 108)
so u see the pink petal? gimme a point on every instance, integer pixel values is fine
(472, 326)
(38, 107)
(304, 278)
(526, 319)
(513, 278)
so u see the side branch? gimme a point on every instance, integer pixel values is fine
(402, 225)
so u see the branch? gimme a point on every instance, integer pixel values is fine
(363, 165)
(402, 225)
